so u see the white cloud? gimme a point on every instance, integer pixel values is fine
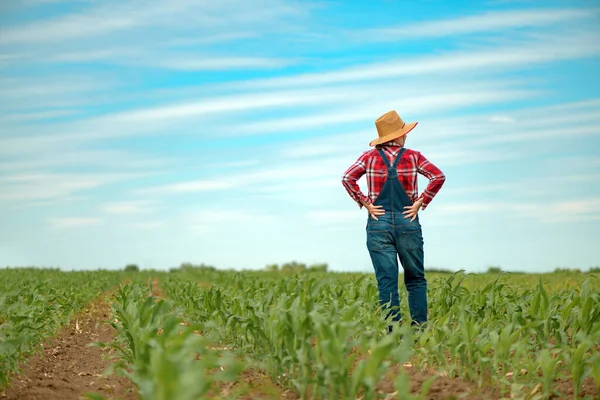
(544, 49)
(540, 134)
(260, 179)
(238, 102)
(95, 55)
(203, 185)
(111, 17)
(20, 187)
(32, 159)
(219, 63)
(39, 115)
(144, 225)
(502, 119)
(54, 92)
(215, 216)
(581, 178)
(9, 57)
(568, 211)
(487, 22)
(545, 212)
(167, 59)
(48, 86)
(345, 103)
(409, 105)
(163, 118)
(75, 222)
(337, 217)
(214, 221)
(130, 207)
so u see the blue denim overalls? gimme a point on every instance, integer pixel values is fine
(393, 236)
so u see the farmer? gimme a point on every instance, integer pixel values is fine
(393, 228)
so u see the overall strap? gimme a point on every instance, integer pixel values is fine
(387, 163)
(385, 160)
(398, 157)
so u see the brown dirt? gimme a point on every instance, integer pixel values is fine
(565, 387)
(67, 369)
(442, 388)
(253, 385)
(156, 289)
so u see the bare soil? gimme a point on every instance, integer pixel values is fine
(68, 368)
(442, 388)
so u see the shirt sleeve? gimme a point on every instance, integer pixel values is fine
(351, 177)
(435, 176)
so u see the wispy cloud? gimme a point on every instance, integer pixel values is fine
(473, 24)
(144, 225)
(543, 49)
(35, 94)
(115, 16)
(544, 212)
(410, 105)
(105, 160)
(34, 116)
(344, 104)
(95, 55)
(263, 178)
(166, 59)
(213, 221)
(219, 63)
(21, 187)
(74, 222)
(336, 217)
(130, 207)
(502, 119)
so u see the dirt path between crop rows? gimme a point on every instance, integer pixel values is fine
(67, 368)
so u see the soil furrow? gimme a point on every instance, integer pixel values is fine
(68, 368)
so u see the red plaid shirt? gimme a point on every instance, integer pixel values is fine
(411, 163)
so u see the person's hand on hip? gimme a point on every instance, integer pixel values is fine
(411, 211)
(375, 210)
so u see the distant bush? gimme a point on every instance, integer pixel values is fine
(295, 267)
(494, 270)
(189, 266)
(272, 267)
(438, 270)
(132, 268)
(576, 270)
(318, 268)
(594, 269)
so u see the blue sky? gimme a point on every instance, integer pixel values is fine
(199, 131)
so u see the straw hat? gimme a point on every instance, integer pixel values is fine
(390, 126)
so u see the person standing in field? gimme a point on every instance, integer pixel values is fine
(393, 202)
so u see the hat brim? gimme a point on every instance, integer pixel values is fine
(394, 135)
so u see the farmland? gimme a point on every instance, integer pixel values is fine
(201, 333)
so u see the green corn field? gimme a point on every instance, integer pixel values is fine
(199, 333)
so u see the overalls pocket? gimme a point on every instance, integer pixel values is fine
(412, 239)
(379, 235)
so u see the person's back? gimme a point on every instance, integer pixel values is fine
(393, 228)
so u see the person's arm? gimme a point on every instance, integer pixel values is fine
(435, 176)
(436, 180)
(350, 179)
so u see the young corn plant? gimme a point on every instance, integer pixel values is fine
(164, 358)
